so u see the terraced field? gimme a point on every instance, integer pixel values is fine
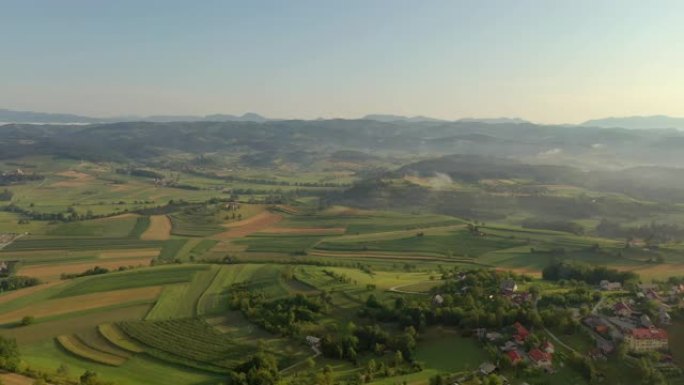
(183, 300)
(116, 337)
(456, 243)
(131, 279)
(73, 303)
(77, 244)
(77, 347)
(188, 342)
(214, 299)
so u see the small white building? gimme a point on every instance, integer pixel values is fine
(487, 368)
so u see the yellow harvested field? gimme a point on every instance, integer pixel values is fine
(54, 272)
(249, 226)
(649, 271)
(304, 231)
(130, 253)
(12, 295)
(77, 179)
(78, 303)
(159, 230)
(16, 379)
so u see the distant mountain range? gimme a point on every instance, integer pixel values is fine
(632, 122)
(11, 116)
(638, 122)
(421, 119)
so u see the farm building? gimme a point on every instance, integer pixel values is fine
(508, 286)
(610, 286)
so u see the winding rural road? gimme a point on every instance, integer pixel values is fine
(3, 245)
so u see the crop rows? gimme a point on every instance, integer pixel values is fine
(130, 280)
(193, 226)
(188, 339)
(141, 225)
(117, 338)
(171, 249)
(24, 244)
(74, 345)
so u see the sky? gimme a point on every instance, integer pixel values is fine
(548, 61)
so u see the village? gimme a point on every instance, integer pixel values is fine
(629, 321)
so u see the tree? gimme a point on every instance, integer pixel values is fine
(9, 354)
(398, 358)
(63, 371)
(27, 320)
(88, 378)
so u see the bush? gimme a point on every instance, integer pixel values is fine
(27, 320)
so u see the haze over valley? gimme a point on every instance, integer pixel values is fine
(341, 193)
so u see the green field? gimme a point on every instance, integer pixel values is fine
(288, 244)
(77, 244)
(337, 258)
(182, 300)
(455, 243)
(131, 279)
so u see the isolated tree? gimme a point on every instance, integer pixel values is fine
(9, 354)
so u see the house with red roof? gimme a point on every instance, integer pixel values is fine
(521, 333)
(514, 356)
(646, 340)
(548, 347)
(540, 358)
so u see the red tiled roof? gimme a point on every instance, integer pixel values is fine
(649, 334)
(522, 332)
(514, 356)
(537, 355)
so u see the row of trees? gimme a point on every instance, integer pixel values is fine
(17, 282)
(577, 271)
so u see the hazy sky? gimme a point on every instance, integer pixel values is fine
(544, 60)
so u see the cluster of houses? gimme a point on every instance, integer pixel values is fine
(514, 348)
(624, 323)
(14, 173)
(509, 289)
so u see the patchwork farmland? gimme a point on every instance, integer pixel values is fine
(187, 291)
